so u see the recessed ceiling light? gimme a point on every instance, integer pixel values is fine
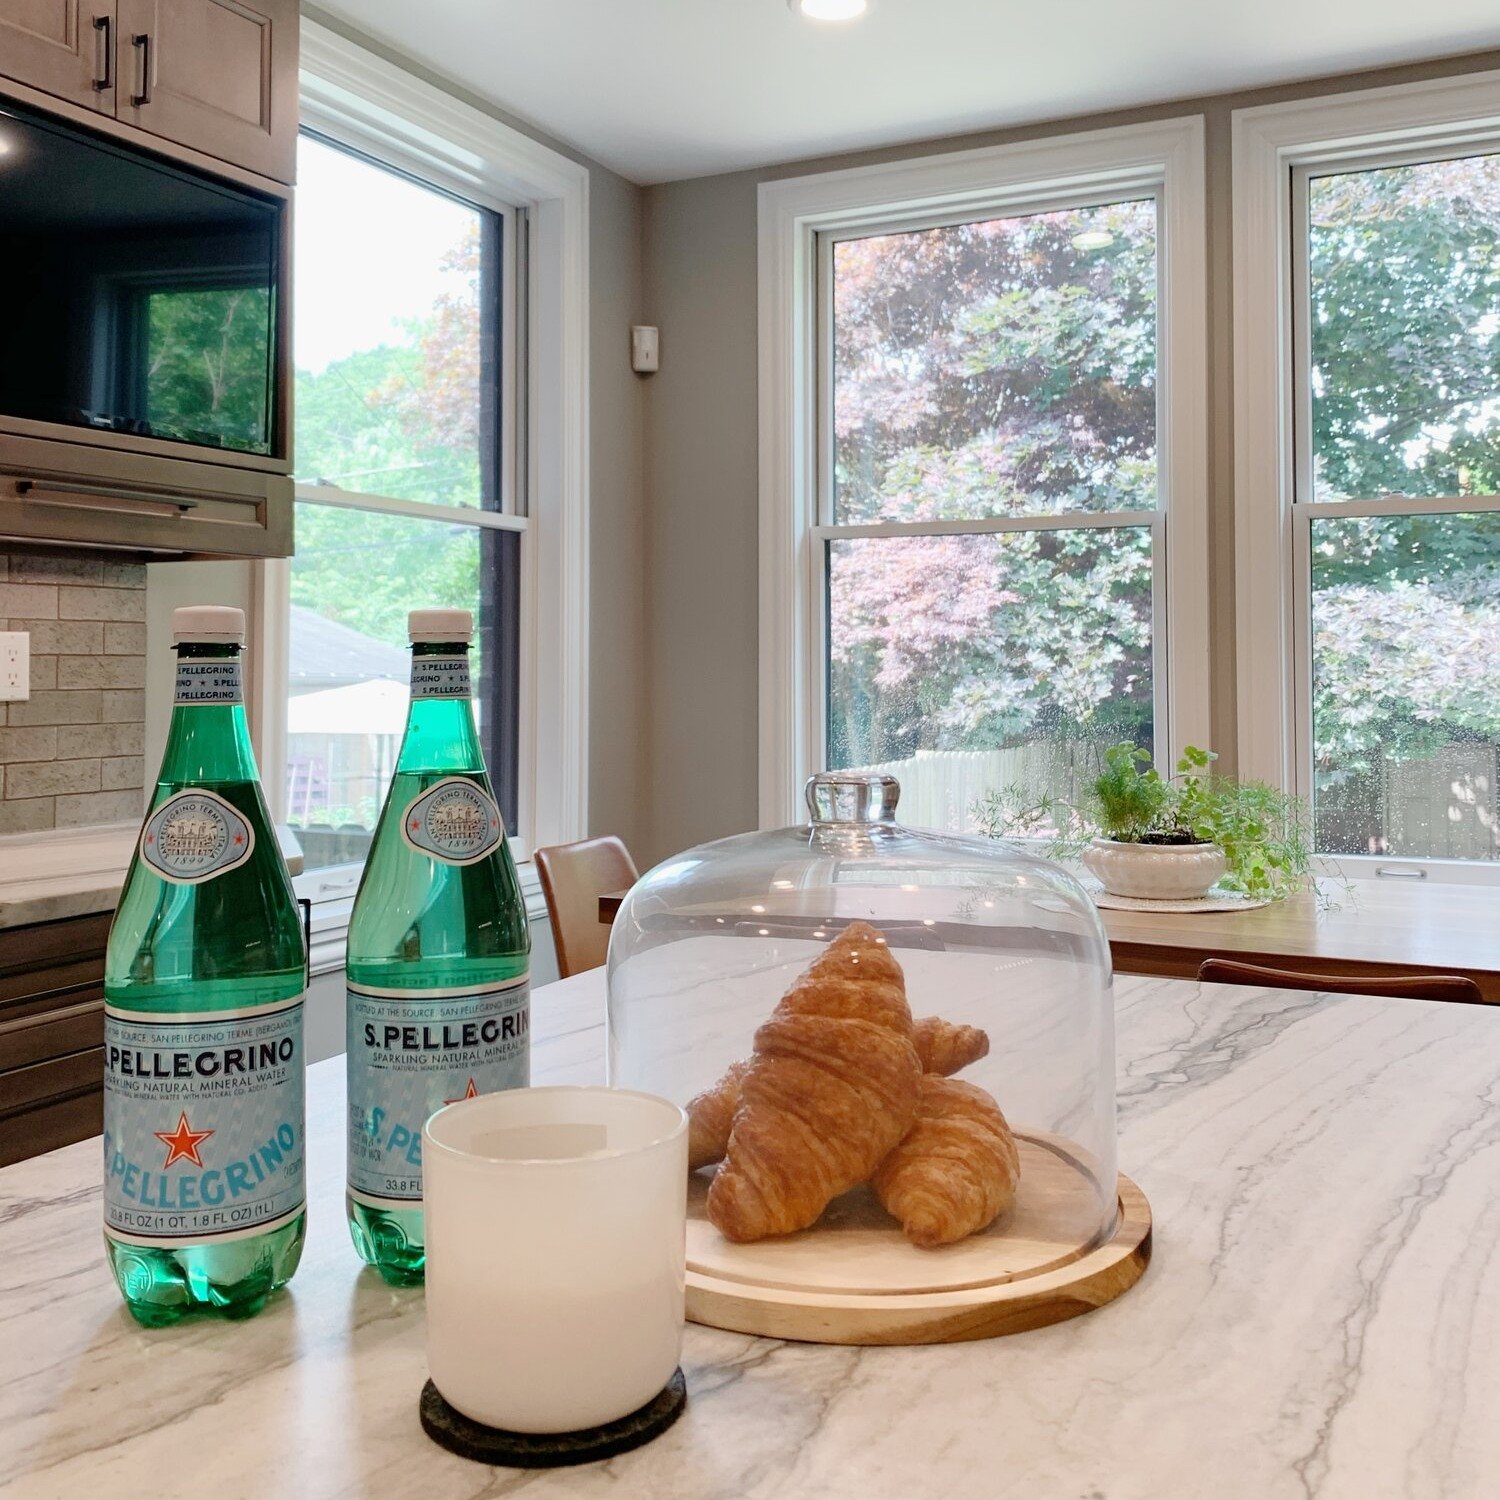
(829, 10)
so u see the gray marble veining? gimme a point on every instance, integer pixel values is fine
(1321, 1318)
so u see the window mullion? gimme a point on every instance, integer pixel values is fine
(826, 482)
(1300, 386)
(1103, 520)
(1405, 505)
(422, 510)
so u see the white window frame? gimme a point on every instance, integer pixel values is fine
(1164, 159)
(357, 99)
(1273, 148)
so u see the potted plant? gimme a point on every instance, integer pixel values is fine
(1145, 846)
(1169, 838)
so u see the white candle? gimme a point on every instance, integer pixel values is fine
(555, 1225)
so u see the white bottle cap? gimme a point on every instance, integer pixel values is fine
(440, 625)
(210, 624)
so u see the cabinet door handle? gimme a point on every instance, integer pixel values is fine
(142, 39)
(105, 26)
(81, 497)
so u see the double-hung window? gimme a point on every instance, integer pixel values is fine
(991, 518)
(407, 481)
(1397, 505)
(1376, 549)
(984, 475)
(440, 289)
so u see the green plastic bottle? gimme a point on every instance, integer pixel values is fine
(438, 957)
(205, 1201)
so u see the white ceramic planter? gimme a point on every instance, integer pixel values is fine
(1155, 872)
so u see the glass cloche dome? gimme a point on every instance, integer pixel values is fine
(750, 980)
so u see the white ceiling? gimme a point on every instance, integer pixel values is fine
(662, 89)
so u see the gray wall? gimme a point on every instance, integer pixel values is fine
(619, 686)
(701, 456)
(703, 529)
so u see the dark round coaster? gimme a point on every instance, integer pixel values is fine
(452, 1430)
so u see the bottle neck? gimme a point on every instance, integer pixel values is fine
(209, 739)
(440, 733)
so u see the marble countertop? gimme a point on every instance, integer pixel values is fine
(45, 877)
(1321, 1317)
(70, 873)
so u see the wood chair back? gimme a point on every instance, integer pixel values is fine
(1397, 986)
(573, 877)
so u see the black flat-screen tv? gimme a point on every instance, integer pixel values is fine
(142, 294)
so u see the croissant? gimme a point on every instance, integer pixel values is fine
(941, 1047)
(710, 1114)
(956, 1169)
(945, 1048)
(829, 1092)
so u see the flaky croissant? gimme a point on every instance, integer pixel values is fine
(829, 1092)
(941, 1047)
(955, 1170)
(710, 1114)
(945, 1048)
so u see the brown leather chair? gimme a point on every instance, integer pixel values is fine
(1398, 986)
(573, 877)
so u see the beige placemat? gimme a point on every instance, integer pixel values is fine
(1215, 900)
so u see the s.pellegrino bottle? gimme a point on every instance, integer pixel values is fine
(205, 1200)
(438, 956)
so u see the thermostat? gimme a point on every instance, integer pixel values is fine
(645, 350)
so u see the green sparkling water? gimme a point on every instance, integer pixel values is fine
(228, 943)
(421, 923)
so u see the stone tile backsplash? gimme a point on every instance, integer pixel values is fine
(71, 754)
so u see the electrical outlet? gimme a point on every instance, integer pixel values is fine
(15, 665)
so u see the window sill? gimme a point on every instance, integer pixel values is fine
(330, 922)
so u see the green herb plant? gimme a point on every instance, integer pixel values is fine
(1261, 830)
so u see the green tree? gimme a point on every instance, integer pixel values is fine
(208, 365)
(400, 420)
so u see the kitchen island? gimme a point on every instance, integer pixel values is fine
(1321, 1316)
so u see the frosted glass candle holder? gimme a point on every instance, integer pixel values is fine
(555, 1254)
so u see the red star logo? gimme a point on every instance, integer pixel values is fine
(239, 838)
(469, 1093)
(150, 838)
(182, 1144)
(415, 825)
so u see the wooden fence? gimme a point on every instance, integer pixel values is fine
(940, 787)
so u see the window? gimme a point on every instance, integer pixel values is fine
(978, 494)
(406, 488)
(1397, 505)
(1367, 469)
(994, 502)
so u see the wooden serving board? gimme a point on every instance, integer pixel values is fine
(854, 1279)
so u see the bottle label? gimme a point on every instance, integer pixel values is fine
(454, 821)
(410, 1053)
(217, 680)
(195, 835)
(440, 677)
(203, 1124)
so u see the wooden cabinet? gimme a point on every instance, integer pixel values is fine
(64, 47)
(51, 1034)
(106, 497)
(219, 76)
